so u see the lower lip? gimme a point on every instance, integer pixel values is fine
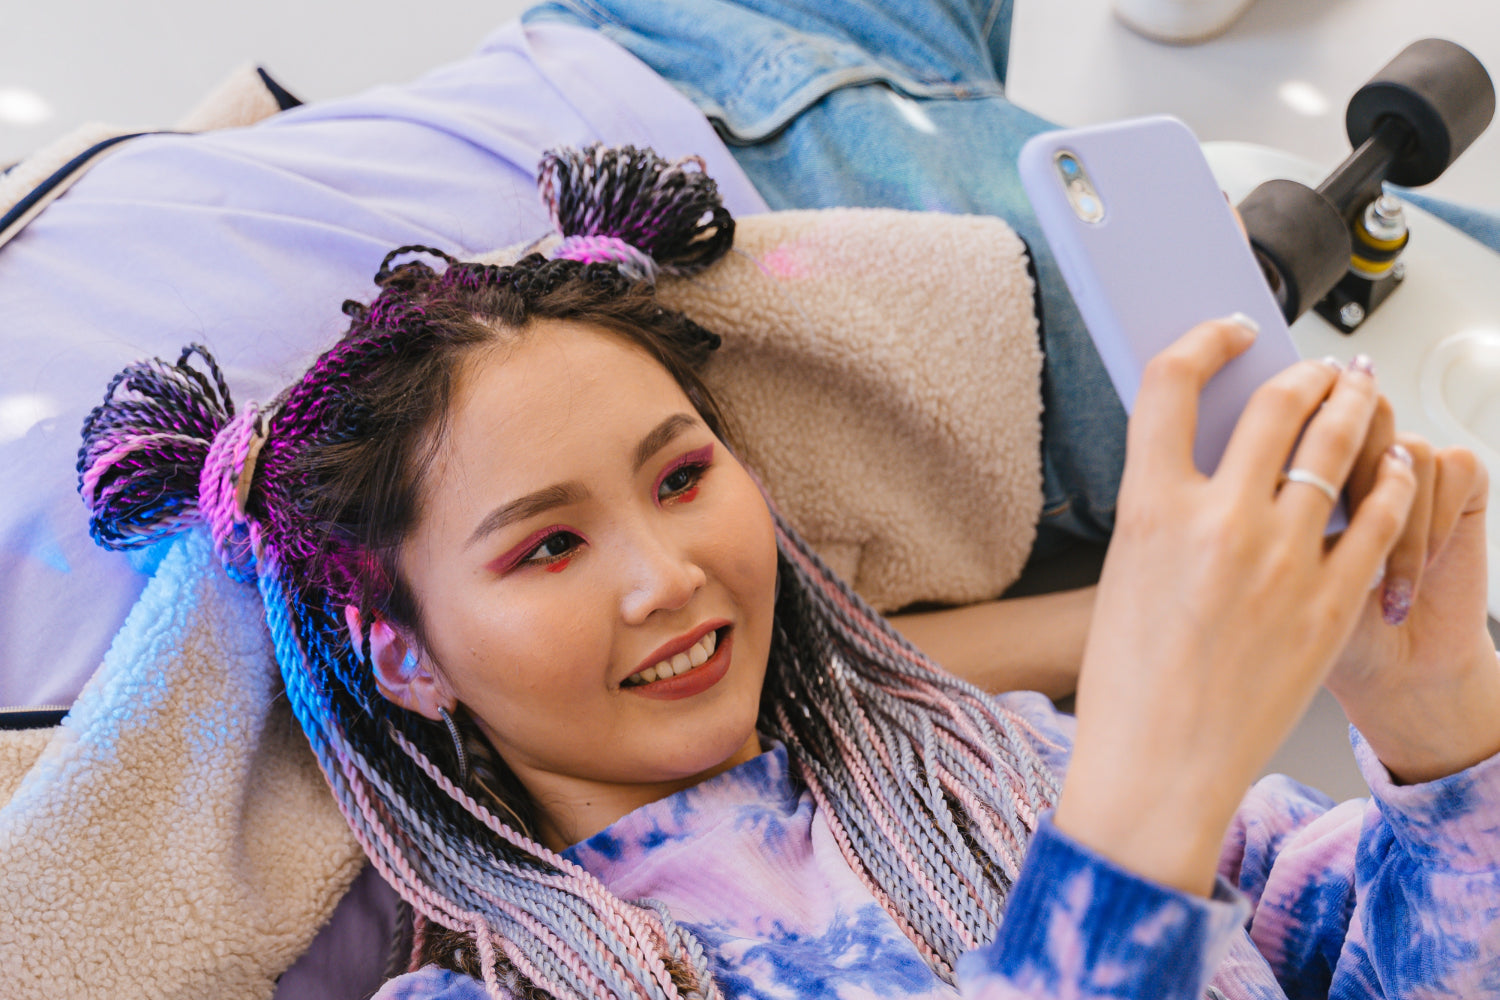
(695, 681)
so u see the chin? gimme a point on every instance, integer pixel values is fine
(716, 753)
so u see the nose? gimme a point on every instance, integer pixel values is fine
(662, 576)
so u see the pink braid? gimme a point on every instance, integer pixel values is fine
(935, 699)
(596, 249)
(865, 783)
(979, 814)
(224, 487)
(631, 923)
(883, 753)
(424, 899)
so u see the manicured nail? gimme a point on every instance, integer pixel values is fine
(1399, 453)
(1245, 321)
(1334, 363)
(1364, 364)
(1395, 602)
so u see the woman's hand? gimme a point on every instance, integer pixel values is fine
(1419, 678)
(1220, 609)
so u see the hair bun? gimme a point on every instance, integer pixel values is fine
(150, 447)
(668, 211)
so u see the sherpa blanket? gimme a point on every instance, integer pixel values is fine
(174, 838)
(883, 369)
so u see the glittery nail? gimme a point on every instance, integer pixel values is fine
(1395, 602)
(1334, 363)
(1364, 364)
(1399, 453)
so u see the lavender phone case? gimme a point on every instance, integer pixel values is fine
(1166, 255)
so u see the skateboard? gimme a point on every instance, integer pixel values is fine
(1357, 270)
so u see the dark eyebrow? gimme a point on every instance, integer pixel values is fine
(562, 494)
(530, 505)
(661, 436)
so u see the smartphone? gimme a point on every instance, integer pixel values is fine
(1149, 247)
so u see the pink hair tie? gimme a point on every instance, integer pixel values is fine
(224, 491)
(599, 249)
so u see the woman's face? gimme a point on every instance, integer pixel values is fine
(584, 532)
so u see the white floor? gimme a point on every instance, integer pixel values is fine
(1280, 76)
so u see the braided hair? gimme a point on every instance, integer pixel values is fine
(931, 788)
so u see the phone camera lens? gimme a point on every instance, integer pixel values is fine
(1068, 165)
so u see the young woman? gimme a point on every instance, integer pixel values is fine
(612, 729)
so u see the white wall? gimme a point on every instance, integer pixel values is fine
(143, 63)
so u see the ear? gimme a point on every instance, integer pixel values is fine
(402, 672)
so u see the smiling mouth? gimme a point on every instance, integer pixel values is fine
(685, 662)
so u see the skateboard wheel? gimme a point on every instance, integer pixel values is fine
(1441, 92)
(1301, 240)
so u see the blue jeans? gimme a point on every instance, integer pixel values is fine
(1482, 225)
(898, 105)
(901, 104)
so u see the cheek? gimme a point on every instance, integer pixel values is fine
(502, 656)
(752, 557)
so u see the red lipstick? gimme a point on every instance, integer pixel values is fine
(698, 679)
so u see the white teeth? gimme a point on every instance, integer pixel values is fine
(695, 656)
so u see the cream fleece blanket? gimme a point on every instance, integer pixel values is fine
(174, 838)
(883, 369)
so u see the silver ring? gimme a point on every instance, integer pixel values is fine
(1314, 480)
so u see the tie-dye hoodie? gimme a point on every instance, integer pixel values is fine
(1394, 897)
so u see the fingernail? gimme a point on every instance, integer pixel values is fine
(1334, 363)
(1395, 602)
(1364, 364)
(1245, 321)
(1399, 453)
(1379, 577)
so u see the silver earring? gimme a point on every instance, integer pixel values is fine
(458, 747)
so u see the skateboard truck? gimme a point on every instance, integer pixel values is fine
(1337, 248)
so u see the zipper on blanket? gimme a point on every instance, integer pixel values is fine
(31, 717)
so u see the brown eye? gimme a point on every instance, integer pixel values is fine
(681, 481)
(554, 546)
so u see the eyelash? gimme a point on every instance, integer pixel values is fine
(553, 562)
(695, 469)
(694, 465)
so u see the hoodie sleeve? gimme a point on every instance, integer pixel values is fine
(1395, 896)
